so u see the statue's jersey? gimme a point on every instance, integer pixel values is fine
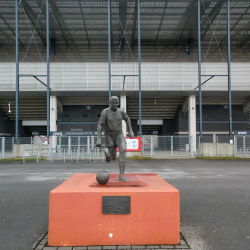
(111, 120)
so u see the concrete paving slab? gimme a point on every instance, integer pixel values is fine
(109, 247)
(121, 247)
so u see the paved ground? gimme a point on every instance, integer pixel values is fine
(43, 245)
(215, 198)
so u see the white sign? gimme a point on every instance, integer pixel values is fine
(132, 144)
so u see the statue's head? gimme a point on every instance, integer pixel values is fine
(114, 102)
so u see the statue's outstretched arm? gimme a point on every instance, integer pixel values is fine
(130, 130)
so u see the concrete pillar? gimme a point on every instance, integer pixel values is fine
(123, 105)
(53, 113)
(53, 118)
(192, 119)
(214, 138)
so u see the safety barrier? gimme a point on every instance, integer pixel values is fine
(221, 145)
(83, 148)
(242, 146)
(167, 146)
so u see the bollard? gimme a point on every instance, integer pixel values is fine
(51, 154)
(31, 142)
(13, 147)
(151, 146)
(103, 156)
(3, 147)
(235, 146)
(191, 146)
(143, 146)
(171, 146)
(88, 146)
(199, 146)
(217, 146)
(60, 153)
(244, 145)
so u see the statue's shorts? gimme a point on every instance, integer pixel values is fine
(113, 140)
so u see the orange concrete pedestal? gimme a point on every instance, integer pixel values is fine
(76, 219)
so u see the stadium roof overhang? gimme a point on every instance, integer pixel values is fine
(80, 29)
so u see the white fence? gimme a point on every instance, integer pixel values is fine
(242, 146)
(167, 146)
(62, 148)
(82, 148)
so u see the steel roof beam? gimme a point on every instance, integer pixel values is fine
(243, 49)
(55, 11)
(161, 41)
(238, 20)
(214, 13)
(31, 15)
(122, 15)
(84, 24)
(158, 31)
(9, 28)
(8, 38)
(245, 40)
(191, 8)
(132, 36)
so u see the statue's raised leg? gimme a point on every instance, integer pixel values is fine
(107, 154)
(110, 154)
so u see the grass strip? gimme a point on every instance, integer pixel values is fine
(222, 158)
(20, 159)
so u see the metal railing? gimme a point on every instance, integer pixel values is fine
(167, 146)
(83, 148)
(77, 148)
(242, 146)
(220, 145)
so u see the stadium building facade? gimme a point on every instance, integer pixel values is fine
(144, 52)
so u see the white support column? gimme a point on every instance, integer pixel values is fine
(123, 105)
(192, 119)
(53, 113)
(53, 118)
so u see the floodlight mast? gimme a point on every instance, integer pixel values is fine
(48, 82)
(139, 63)
(199, 66)
(229, 69)
(17, 73)
(109, 45)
